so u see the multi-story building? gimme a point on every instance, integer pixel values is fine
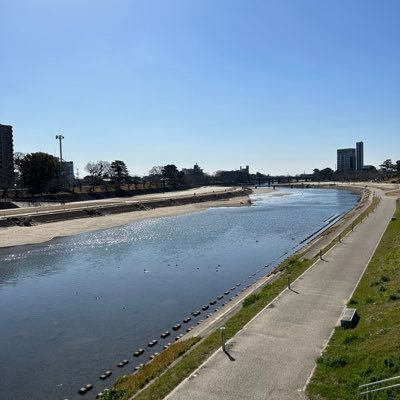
(6, 156)
(359, 156)
(67, 171)
(196, 170)
(346, 159)
(245, 170)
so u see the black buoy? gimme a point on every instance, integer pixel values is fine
(233, 288)
(226, 293)
(186, 320)
(220, 297)
(176, 327)
(82, 390)
(212, 302)
(165, 334)
(195, 313)
(205, 307)
(152, 343)
(136, 354)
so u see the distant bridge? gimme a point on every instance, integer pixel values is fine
(271, 180)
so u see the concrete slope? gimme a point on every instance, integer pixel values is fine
(274, 355)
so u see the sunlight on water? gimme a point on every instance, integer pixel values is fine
(72, 308)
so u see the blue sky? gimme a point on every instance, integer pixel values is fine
(278, 85)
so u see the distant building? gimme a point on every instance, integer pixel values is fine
(6, 156)
(245, 170)
(359, 156)
(346, 159)
(196, 170)
(67, 171)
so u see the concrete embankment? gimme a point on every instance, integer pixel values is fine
(110, 209)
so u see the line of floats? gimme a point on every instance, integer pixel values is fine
(85, 389)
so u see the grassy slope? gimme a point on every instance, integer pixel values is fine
(371, 351)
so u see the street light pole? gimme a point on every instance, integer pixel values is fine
(60, 138)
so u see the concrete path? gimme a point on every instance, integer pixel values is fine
(274, 355)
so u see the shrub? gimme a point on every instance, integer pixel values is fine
(251, 299)
(394, 297)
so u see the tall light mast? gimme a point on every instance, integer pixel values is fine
(60, 138)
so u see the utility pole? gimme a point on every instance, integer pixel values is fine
(60, 138)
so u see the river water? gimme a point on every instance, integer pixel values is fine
(74, 307)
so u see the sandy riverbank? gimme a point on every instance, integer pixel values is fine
(16, 236)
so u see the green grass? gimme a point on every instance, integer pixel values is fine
(370, 351)
(170, 377)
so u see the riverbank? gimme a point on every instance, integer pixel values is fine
(234, 315)
(118, 276)
(286, 336)
(23, 235)
(368, 352)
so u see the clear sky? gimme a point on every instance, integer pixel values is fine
(278, 85)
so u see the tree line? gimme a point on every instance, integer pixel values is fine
(43, 173)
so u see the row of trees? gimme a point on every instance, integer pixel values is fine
(42, 172)
(117, 174)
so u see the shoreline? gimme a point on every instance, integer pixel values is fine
(14, 236)
(223, 316)
(28, 235)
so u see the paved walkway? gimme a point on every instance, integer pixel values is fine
(274, 355)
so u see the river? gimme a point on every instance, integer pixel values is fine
(72, 308)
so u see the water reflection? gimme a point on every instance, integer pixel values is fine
(74, 307)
